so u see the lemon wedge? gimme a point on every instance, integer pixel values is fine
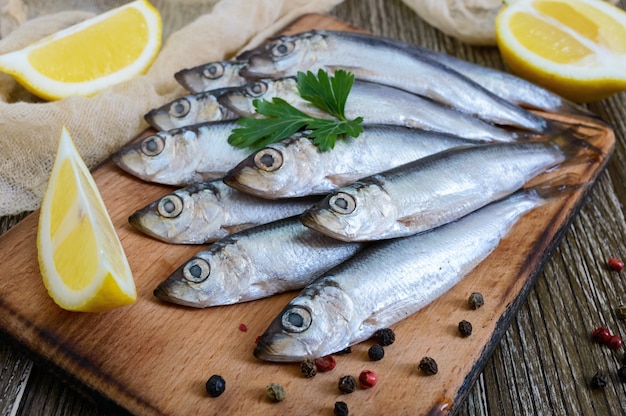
(576, 48)
(90, 56)
(81, 259)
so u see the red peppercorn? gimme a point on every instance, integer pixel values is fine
(367, 379)
(243, 327)
(326, 363)
(615, 342)
(601, 335)
(616, 264)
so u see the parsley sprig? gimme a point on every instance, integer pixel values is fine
(283, 120)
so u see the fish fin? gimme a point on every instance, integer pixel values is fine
(235, 228)
(556, 187)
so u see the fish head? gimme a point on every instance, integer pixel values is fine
(185, 216)
(212, 277)
(162, 157)
(280, 170)
(241, 100)
(180, 112)
(284, 56)
(316, 323)
(212, 75)
(359, 212)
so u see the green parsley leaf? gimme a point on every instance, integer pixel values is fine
(283, 120)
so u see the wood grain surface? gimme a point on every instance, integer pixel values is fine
(542, 365)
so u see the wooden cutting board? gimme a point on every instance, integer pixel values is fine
(154, 358)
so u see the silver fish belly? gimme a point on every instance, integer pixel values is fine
(207, 211)
(374, 59)
(429, 192)
(254, 263)
(182, 156)
(296, 167)
(212, 75)
(190, 109)
(385, 283)
(376, 103)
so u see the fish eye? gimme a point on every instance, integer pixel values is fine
(196, 270)
(170, 206)
(153, 145)
(213, 70)
(180, 108)
(256, 89)
(283, 48)
(296, 319)
(342, 203)
(268, 159)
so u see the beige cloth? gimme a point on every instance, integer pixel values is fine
(29, 131)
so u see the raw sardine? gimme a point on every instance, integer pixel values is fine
(182, 156)
(376, 103)
(387, 282)
(254, 263)
(296, 167)
(374, 59)
(432, 191)
(211, 76)
(190, 109)
(208, 211)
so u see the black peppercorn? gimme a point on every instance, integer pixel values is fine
(476, 300)
(307, 367)
(275, 392)
(347, 384)
(621, 374)
(428, 366)
(341, 409)
(465, 328)
(385, 336)
(215, 385)
(599, 380)
(376, 352)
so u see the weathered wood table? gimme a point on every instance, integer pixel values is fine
(544, 361)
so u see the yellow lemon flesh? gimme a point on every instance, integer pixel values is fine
(576, 48)
(88, 57)
(81, 259)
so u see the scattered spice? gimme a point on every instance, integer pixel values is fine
(615, 264)
(347, 384)
(308, 368)
(341, 409)
(325, 363)
(275, 392)
(376, 352)
(465, 328)
(256, 340)
(367, 379)
(476, 300)
(243, 328)
(621, 374)
(215, 385)
(599, 380)
(385, 336)
(601, 335)
(428, 366)
(615, 342)
(621, 311)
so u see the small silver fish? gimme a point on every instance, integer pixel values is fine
(211, 76)
(376, 103)
(254, 263)
(432, 191)
(182, 156)
(207, 211)
(374, 59)
(385, 283)
(296, 167)
(190, 109)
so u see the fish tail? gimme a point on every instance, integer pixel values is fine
(556, 187)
